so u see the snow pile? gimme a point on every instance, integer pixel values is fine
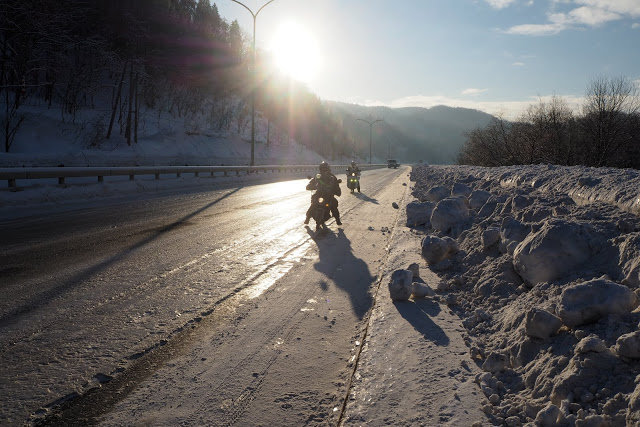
(405, 284)
(543, 264)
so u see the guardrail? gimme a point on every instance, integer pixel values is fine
(13, 174)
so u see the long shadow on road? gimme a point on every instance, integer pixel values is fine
(366, 198)
(349, 273)
(48, 295)
(418, 313)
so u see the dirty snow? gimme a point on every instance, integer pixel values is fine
(541, 264)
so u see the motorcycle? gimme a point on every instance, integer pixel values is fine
(320, 212)
(353, 181)
(320, 209)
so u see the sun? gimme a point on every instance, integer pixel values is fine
(295, 52)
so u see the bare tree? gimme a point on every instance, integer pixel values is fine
(609, 110)
(490, 146)
(544, 133)
(39, 47)
(116, 102)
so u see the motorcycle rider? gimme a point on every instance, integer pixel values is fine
(326, 186)
(353, 168)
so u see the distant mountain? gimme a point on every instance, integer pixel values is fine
(434, 135)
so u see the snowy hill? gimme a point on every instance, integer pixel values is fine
(44, 139)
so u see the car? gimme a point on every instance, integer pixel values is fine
(392, 163)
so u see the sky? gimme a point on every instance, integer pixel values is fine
(497, 56)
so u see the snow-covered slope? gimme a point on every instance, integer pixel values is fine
(45, 139)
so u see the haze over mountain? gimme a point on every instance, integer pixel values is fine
(433, 135)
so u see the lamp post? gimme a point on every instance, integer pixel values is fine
(253, 75)
(370, 132)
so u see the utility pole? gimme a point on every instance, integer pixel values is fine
(253, 75)
(370, 132)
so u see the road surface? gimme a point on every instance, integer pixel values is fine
(203, 308)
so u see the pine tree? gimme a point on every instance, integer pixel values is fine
(235, 42)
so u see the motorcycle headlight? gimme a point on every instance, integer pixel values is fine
(320, 200)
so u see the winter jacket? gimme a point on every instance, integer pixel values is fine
(325, 184)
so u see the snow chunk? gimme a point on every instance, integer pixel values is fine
(590, 344)
(588, 301)
(628, 345)
(400, 285)
(557, 249)
(541, 324)
(520, 202)
(490, 237)
(495, 362)
(492, 205)
(629, 247)
(421, 290)
(633, 410)
(419, 213)
(436, 249)
(460, 189)
(449, 213)
(548, 416)
(512, 232)
(478, 198)
(435, 194)
(415, 269)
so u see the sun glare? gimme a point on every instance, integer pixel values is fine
(295, 52)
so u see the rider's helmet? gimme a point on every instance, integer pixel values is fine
(353, 163)
(324, 167)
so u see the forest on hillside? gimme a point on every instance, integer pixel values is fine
(432, 135)
(605, 133)
(173, 56)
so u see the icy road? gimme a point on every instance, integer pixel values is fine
(202, 308)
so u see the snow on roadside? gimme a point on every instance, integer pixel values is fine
(44, 139)
(544, 271)
(47, 195)
(414, 368)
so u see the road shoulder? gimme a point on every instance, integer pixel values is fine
(414, 368)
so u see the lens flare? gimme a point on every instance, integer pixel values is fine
(295, 52)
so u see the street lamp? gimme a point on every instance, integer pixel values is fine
(253, 72)
(370, 132)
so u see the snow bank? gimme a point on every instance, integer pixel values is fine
(558, 248)
(545, 276)
(583, 184)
